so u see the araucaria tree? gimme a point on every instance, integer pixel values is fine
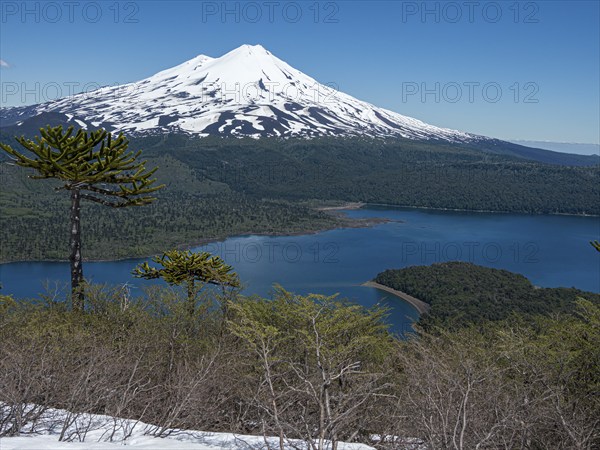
(92, 166)
(179, 267)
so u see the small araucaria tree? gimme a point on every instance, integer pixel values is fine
(179, 267)
(92, 166)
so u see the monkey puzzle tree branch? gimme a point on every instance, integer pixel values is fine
(61, 155)
(180, 267)
(132, 202)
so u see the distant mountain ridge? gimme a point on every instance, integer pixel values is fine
(247, 92)
(564, 147)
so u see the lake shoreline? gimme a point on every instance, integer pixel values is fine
(390, 205)
(348, 257)
(337, 211)
(346, 207)
(419, 305)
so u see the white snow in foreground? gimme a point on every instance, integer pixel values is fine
(97, 432)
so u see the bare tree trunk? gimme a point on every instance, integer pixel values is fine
(269, 377)
(77, 294)
(191, 292)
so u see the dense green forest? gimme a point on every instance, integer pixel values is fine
(34, 218)
(221, 187)
(463, 294)
(398, 172)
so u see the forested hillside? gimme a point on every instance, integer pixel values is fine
(462, 294)
(399, 172)
(34, 218)
(222, 187)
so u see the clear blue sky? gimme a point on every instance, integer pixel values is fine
(382, 52)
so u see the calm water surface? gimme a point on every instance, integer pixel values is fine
(550, 250)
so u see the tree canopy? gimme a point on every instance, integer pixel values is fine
(179, 267)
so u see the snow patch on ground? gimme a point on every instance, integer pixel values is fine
(99, 432)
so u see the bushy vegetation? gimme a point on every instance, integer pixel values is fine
(463, 294)
(311, 367)
(506, 385)
(308, 367)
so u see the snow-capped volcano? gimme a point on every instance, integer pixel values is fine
(246, 92)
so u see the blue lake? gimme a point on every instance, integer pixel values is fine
(550, 250)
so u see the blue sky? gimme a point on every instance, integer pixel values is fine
(512, 70)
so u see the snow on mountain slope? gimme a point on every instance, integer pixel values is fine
(246, 92)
